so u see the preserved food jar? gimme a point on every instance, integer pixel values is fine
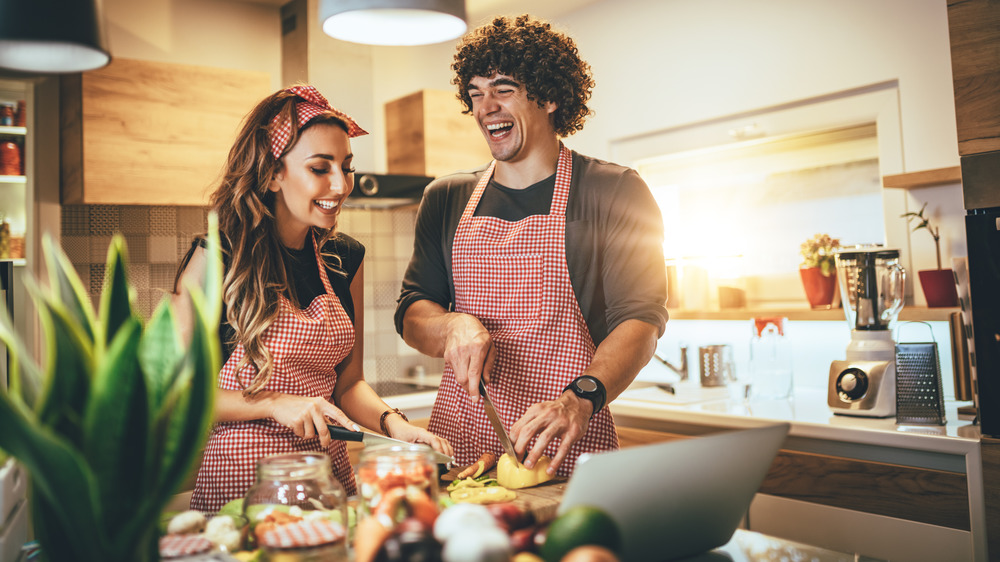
(398, 481)
(297, 510)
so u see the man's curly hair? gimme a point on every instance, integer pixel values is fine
(545, 61)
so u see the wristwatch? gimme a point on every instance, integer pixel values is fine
(592, 389)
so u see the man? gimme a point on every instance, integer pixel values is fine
(542, 274)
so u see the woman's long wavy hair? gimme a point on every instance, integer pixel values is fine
(256, 273)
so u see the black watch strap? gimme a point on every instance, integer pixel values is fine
(591, 388)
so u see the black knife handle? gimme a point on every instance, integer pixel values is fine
(343, 434)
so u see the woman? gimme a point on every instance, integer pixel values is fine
(292, 295)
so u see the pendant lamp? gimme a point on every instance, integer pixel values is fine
(393, 22)
(51, 36)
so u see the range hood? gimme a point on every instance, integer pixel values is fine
(386, 191)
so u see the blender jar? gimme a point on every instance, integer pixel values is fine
(297, 510)
(871, 286)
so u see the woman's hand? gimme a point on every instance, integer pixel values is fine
(405, 431)
(308, 416)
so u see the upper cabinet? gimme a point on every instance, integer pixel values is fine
(974, 27)
(151, 133)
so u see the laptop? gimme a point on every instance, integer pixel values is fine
(679, 498)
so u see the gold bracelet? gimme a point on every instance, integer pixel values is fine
(381, 420)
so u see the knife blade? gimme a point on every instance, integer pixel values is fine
(366, 438)
(497, 423)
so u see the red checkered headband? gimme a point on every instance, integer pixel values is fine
(311, 104)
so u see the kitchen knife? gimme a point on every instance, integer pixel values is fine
(498, 428)
(343, 434)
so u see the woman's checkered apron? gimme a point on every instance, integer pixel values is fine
(513, 277)
(306, 345)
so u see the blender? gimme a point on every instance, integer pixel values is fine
(871, 286)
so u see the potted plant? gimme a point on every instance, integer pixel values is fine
(938, 284)
(112, 423)
(818, 270)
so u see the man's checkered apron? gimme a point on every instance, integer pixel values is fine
(513, 277)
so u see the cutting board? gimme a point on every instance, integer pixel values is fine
(542, 501)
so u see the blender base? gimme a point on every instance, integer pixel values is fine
(862, 388)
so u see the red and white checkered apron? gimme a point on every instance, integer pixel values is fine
(306, 345)
(513, 277)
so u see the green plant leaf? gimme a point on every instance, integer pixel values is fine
(24, 378)
(116, 301)
(160, 354)
(69, 370)
(66, 287)
(58, 473)
(115, 428)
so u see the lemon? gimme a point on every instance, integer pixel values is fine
(578, 526)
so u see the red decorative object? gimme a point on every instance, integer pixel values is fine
(939, 287)
(820, 289)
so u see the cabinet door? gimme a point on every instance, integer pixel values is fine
(151, 133)
(974, 27)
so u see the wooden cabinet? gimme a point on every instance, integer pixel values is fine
(427, 134)
(150, 133)
(974, 27)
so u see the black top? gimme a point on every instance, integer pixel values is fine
(302, 268)
(614, 241)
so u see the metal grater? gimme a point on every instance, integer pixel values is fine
(919, 398)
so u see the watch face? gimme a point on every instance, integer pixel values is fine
(586, 385)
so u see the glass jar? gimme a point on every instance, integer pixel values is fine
(390, 474)
(297, 510)
(770, 359)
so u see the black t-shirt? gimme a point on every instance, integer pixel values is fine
(614, 241)
(302, 268)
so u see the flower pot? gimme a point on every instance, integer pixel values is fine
(820, 289)
(939, 287)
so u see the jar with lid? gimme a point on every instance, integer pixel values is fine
(398, 481)
(297, 510)
(770, 359)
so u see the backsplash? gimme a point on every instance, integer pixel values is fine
(157, 238)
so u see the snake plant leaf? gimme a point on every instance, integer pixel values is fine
(69, 369)
(160, 354)
(115, 426)
(58, 473)
(24, 378)
(212, 284)
(67, 287)
(116, 300)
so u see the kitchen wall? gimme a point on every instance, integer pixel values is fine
(659, 64)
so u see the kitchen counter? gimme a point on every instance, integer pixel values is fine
(845, 483)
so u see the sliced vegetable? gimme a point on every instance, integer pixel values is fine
(476, 469)
(512, 474)
(484, 495)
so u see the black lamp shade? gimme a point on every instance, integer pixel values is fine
(51, 36)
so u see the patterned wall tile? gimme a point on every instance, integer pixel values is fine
(191, 221)
(104, 220)
(163, 249)
(99, 248)
(162, 221)
(76, 220)
(138, 248)
(134, 220)
(161, 276)
(96, 283)
(386, 293)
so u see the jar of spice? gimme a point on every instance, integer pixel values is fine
(297, 510)
(7, 111)
(10, 159)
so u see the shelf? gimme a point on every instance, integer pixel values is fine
(908, 314)
(5, 130)
(12, 179)
(925, 178)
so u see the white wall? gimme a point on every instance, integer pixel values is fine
(219, 33)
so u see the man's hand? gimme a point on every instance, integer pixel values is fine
(308, 416)
(469, 350)
(565, 418)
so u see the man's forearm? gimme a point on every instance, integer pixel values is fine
(425, 327)
(622, 354)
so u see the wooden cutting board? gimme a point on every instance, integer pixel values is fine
(542, 501)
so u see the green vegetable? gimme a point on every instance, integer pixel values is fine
(113, 421)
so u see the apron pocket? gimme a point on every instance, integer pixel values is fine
(504, 287)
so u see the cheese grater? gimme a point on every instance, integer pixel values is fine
(919, 397)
